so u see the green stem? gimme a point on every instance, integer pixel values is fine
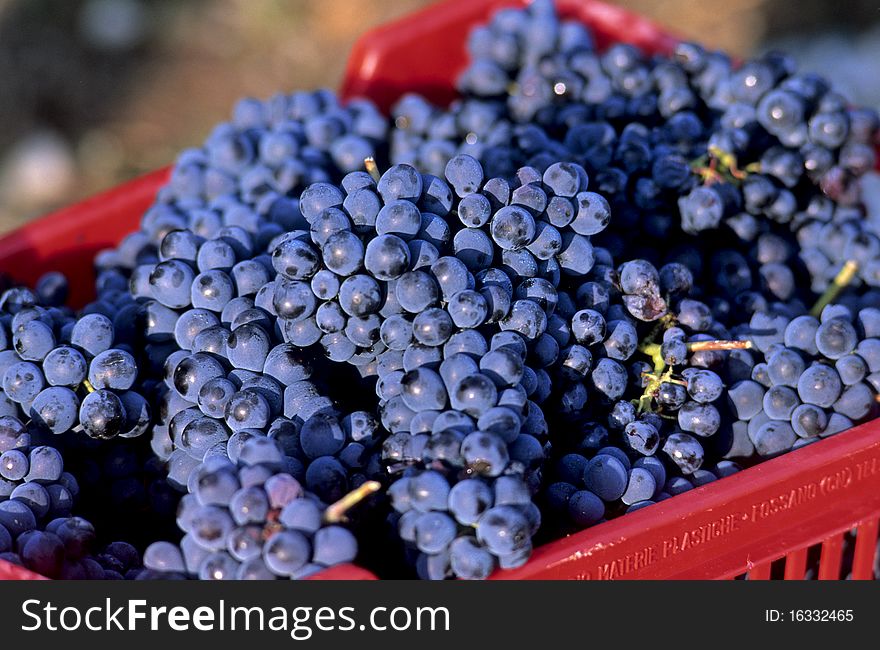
(841, 280)
(372, 168)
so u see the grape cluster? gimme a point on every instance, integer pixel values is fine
(230, 357)
(63, 549)
(62, 374)
(250, 520)
(32, 475)
(36, 500)
(680, 146)
(595, 281)
(812, 378)
(461, 340)
(647, 407)
(68, 373)
(223, 341)
(582, 492)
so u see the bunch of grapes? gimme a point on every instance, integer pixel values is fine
(68, 373)
(809, 379)
(592, 283)
(36, 499)
(680, 146)
(249, 520)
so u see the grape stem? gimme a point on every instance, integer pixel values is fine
(841, 280)
(335, 513)
(729, 163)
(719, 165)
(372, 168)
(714, 346)
(664, 323)
(708, 173)
(664, 374)
(654, 351)
(645, 402)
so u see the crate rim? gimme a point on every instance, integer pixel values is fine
(554, 559)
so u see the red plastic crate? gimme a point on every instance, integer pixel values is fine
(792, 508)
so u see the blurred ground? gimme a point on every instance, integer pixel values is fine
(93, 92)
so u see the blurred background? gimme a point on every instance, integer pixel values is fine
(94, 92)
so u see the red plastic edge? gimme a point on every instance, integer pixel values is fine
(720, 530)
(10, 571)
(68, 239)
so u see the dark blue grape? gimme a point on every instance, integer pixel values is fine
(585, 508)
(16, 517)
(333, 545)
(469, 499)
(819, 385)
(115, 369)
(701, 209)
(327, 478)
(102, 415)
(293, 300)
(642, 437)
(170, 283)
(322, 435)
(606, 477)
(248, 347)
(641, 486)
(747, 398)
(808, 420)
(851, 368)
(52, 289)
(434, 531)
(465, 174)
(249, 277)
(360, 295)
(33, 340)
(247, 409)
(416, 291)
(433, 326)
(400, 182)
(286, 552)
(779, 402)
(773, 438)
(588, 327)
(685, 451)
(835, 338)
(609, 378)
(700, 419)
(855, 402)
(56, 408)
(655, 466)
(92, 333)
(474, 394)
(23, 381)
(485, 453)
(512, 228)
(469, 560)
(14, 465)
(504, 530)
(65, 366)
(212, 289)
